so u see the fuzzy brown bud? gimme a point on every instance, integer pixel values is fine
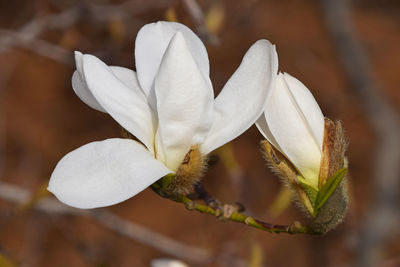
(189, 172)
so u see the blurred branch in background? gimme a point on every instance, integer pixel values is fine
(198, 19)
(125, 228)
(27, 36)
(382, 218)
(125, 10)
(40, 47)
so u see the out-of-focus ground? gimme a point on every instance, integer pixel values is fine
(41, 119)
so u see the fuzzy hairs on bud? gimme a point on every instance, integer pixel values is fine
(285, 170)
(189, 173)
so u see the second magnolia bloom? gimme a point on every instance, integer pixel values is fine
(293, 123)
(307, 151)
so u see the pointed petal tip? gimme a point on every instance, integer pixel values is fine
(264, 42)
(78, 57)
(177, 38)
(151, 43)
(88, 57)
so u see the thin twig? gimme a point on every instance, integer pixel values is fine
(381, 221)
(125, 10)
(230, 213)
(27, 35)
(294, 228)
(38, 46)
(197, 16)
(38, 25)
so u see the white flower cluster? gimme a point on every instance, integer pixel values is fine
(168, 104)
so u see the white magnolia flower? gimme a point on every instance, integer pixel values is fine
(168, 105)
(293, 123)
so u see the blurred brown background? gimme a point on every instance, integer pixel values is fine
(347, 53)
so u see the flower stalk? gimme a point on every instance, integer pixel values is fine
(235, 216)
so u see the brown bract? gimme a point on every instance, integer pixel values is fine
(333, 149)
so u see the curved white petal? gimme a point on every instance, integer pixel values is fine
(262, 126)
(184, 103)
(243, 98)
(126, 76)
(104, 173)
(288, 113)
(308, 106)
(127, 105)
(151, 43)
(80, 87)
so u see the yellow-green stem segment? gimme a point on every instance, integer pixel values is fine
(294, 228)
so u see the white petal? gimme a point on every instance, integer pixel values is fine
(80, 87)
(243, 98)
(286, 115)
(262, 126)
(308, 106)
(184, 103)
(151, 44)
(126, 76)
(127, 105)
(104, 173)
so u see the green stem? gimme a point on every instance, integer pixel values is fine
(294, 228)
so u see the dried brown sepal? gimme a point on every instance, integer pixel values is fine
(278, 163)
(333, 150)
(282, 167)
(189, 172)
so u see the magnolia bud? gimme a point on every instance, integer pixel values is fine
(307, 151)
(327, 204)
